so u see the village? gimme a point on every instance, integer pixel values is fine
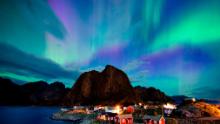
(190, 111)
(138, 113)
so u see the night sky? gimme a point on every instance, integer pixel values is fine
(173, 45)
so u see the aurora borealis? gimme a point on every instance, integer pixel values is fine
(172, 45)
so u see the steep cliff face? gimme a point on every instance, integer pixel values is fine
(111, 86)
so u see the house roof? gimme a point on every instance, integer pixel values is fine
(156, 118)
(125, 116)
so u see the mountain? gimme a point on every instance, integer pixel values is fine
(179, 99)
(11, 93)
(108, 87)
(35, 93)
(151, 95)
(211, 101)
(111, 86)
(42, 93)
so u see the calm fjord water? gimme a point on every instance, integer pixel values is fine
(28, 115)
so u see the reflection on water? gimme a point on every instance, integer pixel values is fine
(28, 115)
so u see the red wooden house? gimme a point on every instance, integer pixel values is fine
(124, 119)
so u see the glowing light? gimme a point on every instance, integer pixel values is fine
(118, 109)
(140, 104)
(169, 106)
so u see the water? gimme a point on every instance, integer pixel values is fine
(28, 115)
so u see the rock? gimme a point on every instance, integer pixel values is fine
(54, 94)
(11, 93)
(111, 86)
(179, 99)
(196, 110)
(35, 93)
(151, 94)
(41, 93)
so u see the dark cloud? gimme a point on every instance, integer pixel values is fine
(16, 61)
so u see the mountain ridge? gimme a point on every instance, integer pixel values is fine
(110, 86)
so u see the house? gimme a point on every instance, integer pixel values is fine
(116, 109)
(168, 108)
(107, 116)
(130, 109)
(148, 119)
(124, 119)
